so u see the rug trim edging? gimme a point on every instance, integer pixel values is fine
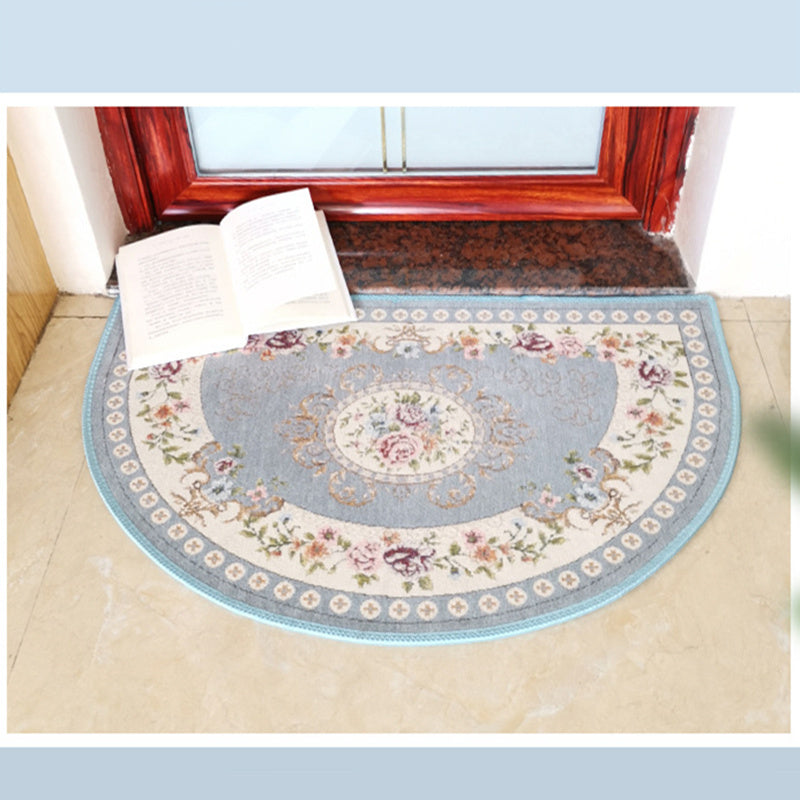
(467, 635)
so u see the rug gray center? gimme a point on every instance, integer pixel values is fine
(409, 440)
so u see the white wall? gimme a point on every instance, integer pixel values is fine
(62, 169)
(738, 211)
(704, 165)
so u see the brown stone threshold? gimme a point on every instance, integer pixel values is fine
(502, 257)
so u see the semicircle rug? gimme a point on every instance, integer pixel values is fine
(443, 469)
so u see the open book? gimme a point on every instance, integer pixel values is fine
(270, 265)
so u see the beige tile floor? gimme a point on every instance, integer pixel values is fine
(100, 639)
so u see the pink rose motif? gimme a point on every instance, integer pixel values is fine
(549, 500)
(286, 340)
(255, 343)
(654, 375)
(570, 346)
(341, 351)
(409, 561)
(327, 534)
(364, 556)
(585, 472)
(474, 353)
(532, 342)
(398, 448)
(224, 465)
(635, 412)
(166, 372)
(411, 414)
(257, 494)
(474, 537)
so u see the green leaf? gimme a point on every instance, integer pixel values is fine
(455, 549)
(643, 401)
(425, 583)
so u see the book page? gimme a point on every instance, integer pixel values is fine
(276, 253)
(320, 308)
(176, 296)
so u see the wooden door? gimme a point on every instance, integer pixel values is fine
(31, 291)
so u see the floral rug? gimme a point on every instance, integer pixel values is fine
(443, 469)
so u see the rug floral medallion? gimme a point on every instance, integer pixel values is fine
(442, 469)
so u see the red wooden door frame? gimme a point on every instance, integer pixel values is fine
(640, 172)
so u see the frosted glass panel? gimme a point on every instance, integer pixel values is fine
(467, 139)
(414, 140)
(238, 140)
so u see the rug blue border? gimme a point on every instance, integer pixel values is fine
(469, 635)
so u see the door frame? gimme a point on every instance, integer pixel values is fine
(640, 172)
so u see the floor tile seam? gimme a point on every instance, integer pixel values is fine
(762, 317)
(753, 323)
(60, 527)
(67, 508)
(757, 320)
(774, 393)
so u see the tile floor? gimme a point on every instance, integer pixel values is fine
(100, 639)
